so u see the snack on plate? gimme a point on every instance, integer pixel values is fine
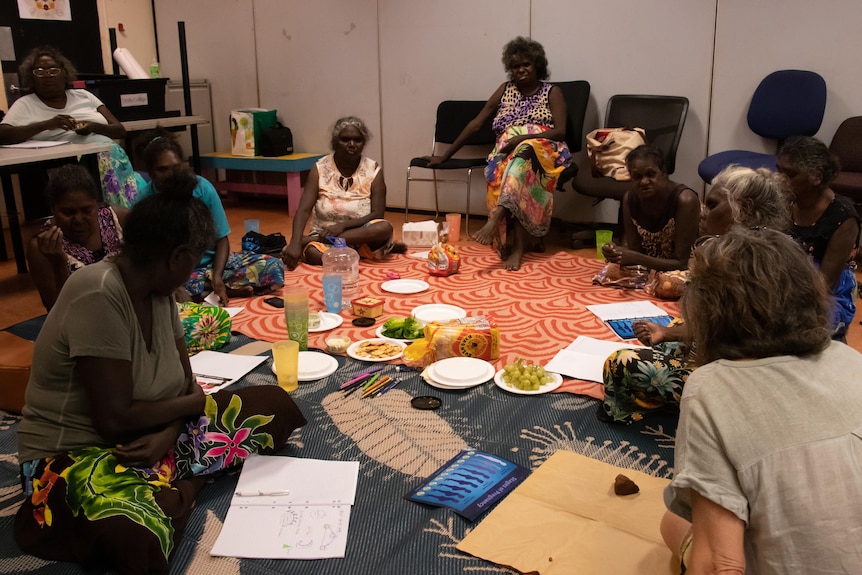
(476, 337)
(367, 306)
(376, 349)
(443, 260)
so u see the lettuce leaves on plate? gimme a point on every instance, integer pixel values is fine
(402, 328)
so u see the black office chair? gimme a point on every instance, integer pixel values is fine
(662, 117)
(577, 95)
(452, 116)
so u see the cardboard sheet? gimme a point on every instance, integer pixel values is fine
(565, 519)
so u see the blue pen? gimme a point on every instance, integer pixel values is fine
(388, 386)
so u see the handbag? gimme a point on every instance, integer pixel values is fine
(268, 244)
(608, 148)
(277, 140)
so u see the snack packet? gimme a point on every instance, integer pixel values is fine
(667, 285)
(418, 354)
(476, 337)
(443, 260)
(628, 277)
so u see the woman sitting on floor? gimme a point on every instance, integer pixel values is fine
(83, 231)
(639, 382)
(53, 110)
(660, 217)
(226, 274)
(769, 443)
(826, 224)
(345, 197)
(531, 152)
(117, 437)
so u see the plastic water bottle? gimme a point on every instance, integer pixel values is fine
(343, 261)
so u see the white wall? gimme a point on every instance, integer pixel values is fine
(391, 61)
(756, 37)
(136, 16)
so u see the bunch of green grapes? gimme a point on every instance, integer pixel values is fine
(528, 377)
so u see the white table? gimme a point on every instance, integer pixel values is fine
(11, 159)
(169, 122)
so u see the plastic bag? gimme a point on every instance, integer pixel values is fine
(628, 277)
(468, 337)
(443, 260)
(666, 285)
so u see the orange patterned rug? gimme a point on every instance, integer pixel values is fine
(539, 309)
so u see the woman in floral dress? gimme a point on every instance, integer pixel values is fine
(117, 437)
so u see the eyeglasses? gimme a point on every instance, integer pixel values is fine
(46, 72)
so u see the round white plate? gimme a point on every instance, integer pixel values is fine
(545, 388)
(438, 312)
(379, 333)
(328, 321)
(430, 381)
(351, 351)
(314, 365)
(404, 286)
(461, 372)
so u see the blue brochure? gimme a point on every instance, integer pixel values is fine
(470, 483)
(624, 327)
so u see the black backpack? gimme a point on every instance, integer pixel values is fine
(258, 243)
(277, 140)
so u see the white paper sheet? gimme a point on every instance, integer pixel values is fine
(215, 370)
(213, 300)
(585, 358)
(626, 310)
(308, 521)
(35, 144)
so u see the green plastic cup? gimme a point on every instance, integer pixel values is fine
(603, 237)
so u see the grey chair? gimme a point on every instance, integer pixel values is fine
(577, 95)
(662, 117)
(452, 116)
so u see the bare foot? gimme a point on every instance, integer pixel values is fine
(398, 248)
(244, 291)
(513, 263)
(485, 235)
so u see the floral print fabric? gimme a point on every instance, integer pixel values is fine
(120, 182)
(642, 381)
(85, 506)
(523, 181)
(204, 326)
(78, 256)
(263, 273)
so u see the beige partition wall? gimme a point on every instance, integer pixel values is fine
(756, 37)
(391, 61)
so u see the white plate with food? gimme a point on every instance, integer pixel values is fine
(438, 312)
(379, 333)
(376, 349)
(314, 365)
(328, 321)
(404, 286)
(460, 372)
(556, 381)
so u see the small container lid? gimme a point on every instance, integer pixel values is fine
(426, 402)
(364, 321)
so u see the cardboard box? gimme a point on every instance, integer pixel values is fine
(420, 234)
(16, 356)
(367, 306)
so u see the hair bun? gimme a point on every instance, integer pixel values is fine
(179, 185)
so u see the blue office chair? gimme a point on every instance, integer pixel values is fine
(786, 103)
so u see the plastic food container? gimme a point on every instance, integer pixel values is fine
(313, 319)
(367, 307)
(337, 343)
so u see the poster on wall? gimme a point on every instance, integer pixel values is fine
(44, 10)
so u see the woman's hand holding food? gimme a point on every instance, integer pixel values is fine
(50, 244)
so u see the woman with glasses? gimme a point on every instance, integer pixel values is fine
(53, 110)
(639, 382)
(769, 443)
(824, 223)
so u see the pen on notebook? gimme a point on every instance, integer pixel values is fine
(213, 377)
(261, 493)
